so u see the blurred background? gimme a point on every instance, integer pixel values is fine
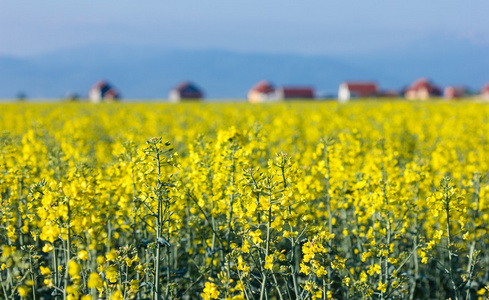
(55, 48)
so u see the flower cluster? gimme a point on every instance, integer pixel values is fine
(375, 200)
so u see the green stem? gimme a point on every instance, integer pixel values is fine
(267, 249)
(415, 244)
(449, 240)
(68, 250)
(168, 261)
(31, 267)
(231, 199)
(157, 293)
(470, 264)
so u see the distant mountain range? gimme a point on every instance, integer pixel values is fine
(149, 72)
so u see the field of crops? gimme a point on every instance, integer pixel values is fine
(375, 200)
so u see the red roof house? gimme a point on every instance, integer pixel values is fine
(186, 91)
(288, 92)
(389, 94)
(485, 91)
(349, 90)
(103, 91)
(263, 91)
(422, 89)
(454, 92)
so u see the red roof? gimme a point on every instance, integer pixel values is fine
(297, 92)
(424, 83)
(100, 84)
(264, 87)
(362, 89)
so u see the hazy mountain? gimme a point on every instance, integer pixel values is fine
(150, 72)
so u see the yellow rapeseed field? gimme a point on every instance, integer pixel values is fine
(305, 200)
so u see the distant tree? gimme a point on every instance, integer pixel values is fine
(72, 97)
(21, 96)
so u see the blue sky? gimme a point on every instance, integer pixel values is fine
(273, 26)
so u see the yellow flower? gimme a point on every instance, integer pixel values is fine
(317, 295)
(8, 251)
(139, 268)
(239, 286)
(256, 236)
(268, 262)
(393, 260)
(278, 223)
(45, 270)
(23, 290)
(74, 269)
(321, 271)
(83, 255)
(112, 274)
(366, 255)
(437, 236)
(363, 277)
(246, 247)
(117, 295)
(50, 233)
(48, 282)
(47, 247)
(134, 285)
(210, 291)
(374, 269)
(94, 281)
(305, 269)
(112, 255)
(242, 265)
(329, 294)
(100, 260)
(307, 218)
(382, 287)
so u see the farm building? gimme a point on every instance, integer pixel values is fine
(454, 92)
(288, 92)
(389, 94)
(349, 90)
(422, 89)
(103, 91)
(485, 91)
(263, 91)
(185, 91)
